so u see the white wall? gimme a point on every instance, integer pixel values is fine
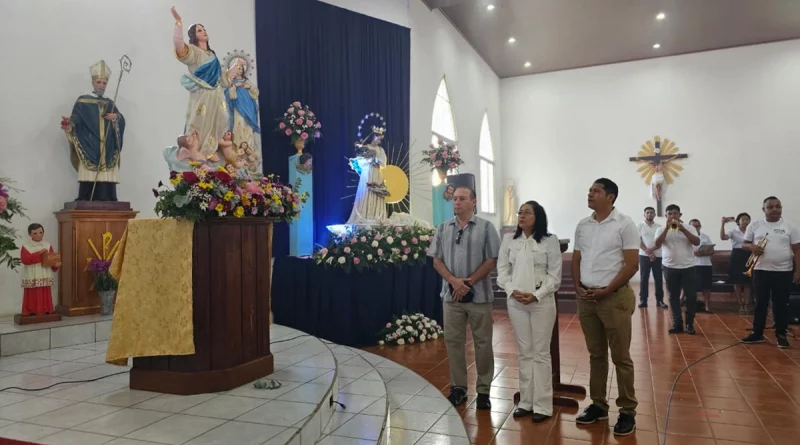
(49, 46)
(734, 112)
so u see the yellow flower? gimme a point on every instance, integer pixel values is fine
(219, 208)
(205, 185)
(228, 196)
(245, 200)
(194, 163)
(176, 180)
(221, 169)
(239, 212)
(276, 198)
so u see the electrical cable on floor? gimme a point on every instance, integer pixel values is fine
(112, 375)
(675, 383)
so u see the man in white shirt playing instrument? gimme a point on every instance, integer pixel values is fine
(775, 245)
(649, 260)
(676, 241)
(603, 261)
(704, 272)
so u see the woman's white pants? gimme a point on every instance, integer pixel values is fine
(533, 328)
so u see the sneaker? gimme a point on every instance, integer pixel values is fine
(457, 396)
(483, 402)
(782, 342)
(662, 305)
(675, 330)
(690, 329)
(753, 338)
(626, 425)
(591, 414)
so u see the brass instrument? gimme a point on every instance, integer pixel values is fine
(674, 226)
(753, 260)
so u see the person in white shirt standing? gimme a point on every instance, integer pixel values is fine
(704, 272)
(529, 270)
(739, 256)
(649, 260)
(603, 262)
(772, 277)
(676, 241)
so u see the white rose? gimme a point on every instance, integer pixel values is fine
(405, 317)
(374, 244)
(435, 336)
(389, 240)
(427, 325)
(380, 343)
(341, 260)
(400, 341)
(329, 260)
(404, 258)
(416, 255)
(409, 329)
(433, 322)
(421, 338)
(414, 317)
(369, 257)
(399, 322)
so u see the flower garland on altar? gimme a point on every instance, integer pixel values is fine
(203, 193)
(9, 207)
(443, 156)
(299, 122)
(376, 247)
(410, 329)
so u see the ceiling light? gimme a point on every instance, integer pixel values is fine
(512, 40)
(527, 64)
(490, 7)
(657, 46)
(661, 16)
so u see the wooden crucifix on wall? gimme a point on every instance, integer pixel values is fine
(658, 166)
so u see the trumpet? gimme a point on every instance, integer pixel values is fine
(674, 226)
(753, 260)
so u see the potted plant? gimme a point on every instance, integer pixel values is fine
(104, 284)
(300, 124)
(442, 157)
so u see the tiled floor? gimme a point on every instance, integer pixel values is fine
(745, 395)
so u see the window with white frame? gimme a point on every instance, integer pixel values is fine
(443, 125)
(486, 156)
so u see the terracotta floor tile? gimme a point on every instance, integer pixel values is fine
(747, 434)
(479, 435)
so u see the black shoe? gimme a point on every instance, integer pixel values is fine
(662, 305)
(782, 342)
(457, 396)
(753, 338)
(626, 425)
(519, 412)
(539, 418)
(642, 305)
(675, 330)
(690, 329)
(483, 402)
(591, 414)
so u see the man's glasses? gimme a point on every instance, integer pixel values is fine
(460, 234)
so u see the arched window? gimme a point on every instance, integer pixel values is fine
(486, 155)
(443, 125)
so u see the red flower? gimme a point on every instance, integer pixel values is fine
(190, 177)
(223, 176)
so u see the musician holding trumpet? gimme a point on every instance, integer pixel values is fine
(773, 243)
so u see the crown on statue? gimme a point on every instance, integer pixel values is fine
(378, 130)
(100, 70)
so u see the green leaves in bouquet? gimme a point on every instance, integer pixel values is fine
(374, 248)
(8, 234)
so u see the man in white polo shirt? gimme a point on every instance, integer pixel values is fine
(649, 260)
(676, 241)
(603, 261)
(773, 276)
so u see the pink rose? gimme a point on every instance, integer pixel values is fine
(3, 204)
(438, 163)
(411, 340)
(298, 121)
(452, 165)
(346, 250)
(426, 250)
(432, 156)
(296, 104)
(290, 110)
(324, 252)
(398, 229)
(288, 132)
(301, 113)
(310, 114)
(363, 239)
(455, 154)
(377, 237)
(407, 250)
(388, 325)
(282, 126)
(319, 125)
(309, 123)
(304, 135)
(414, 241)
(254, 188)
(380, 252)
(353, 240)
(403, 243)
(393, 335)
(356, 260)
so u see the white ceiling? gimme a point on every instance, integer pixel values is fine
(563, 34)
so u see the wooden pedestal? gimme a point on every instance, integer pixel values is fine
(34, 319)
(79, 222)
(230, 302)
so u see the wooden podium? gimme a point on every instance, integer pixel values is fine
(231, 264)
(78, 222)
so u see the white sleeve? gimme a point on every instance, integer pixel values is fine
(630, 236)
(577, 245)
(794, 235)
(504, 267)
(552, 281)
(749, 234)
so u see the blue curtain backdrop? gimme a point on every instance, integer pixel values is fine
(343, 65)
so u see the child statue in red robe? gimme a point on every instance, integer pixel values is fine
(38, 273)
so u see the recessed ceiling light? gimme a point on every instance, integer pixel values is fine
(490, 7)
(527, 64)
(512, 40)
(657, 46)
(661, 16)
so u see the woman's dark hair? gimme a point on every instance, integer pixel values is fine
(193, 36)
(539, 224)
(33, 227)
(742, 215)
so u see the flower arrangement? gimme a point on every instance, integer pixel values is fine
(103, 280)
(299, 122)
(376, 247)
(203, 193)
(410, 329)
(443, 156)
(9, 207)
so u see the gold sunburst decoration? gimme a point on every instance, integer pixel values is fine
(658, 155)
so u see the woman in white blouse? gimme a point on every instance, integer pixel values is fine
(738, 261)
(529, 270)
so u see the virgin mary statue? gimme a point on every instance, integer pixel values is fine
(207, 113)
(242, 99)
(369, 207)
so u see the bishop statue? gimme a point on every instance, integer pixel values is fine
(95, 132)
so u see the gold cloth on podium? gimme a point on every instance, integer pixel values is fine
(153, 312)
